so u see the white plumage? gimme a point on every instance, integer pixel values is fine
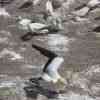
(54, 66)
(52, 74)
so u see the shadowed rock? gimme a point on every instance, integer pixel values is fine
(26, 4)
(33, 89)
(97, 29)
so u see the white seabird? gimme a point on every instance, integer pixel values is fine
(50, 70)
(52, 74)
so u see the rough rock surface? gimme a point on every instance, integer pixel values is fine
(79, 44)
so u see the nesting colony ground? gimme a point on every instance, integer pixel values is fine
(78, 44)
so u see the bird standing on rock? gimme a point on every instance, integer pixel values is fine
(50, 70)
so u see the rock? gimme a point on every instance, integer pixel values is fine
(36, 2)
(81, 19)
(93, 3)
(4, 13)
(81, 12)
(14, 55)
(26, 4)
(26, 24)
(97, 29)
(12, 89)
(74, 96)
(95, 89)
(38, 27)
(5, 2)
(57, 3)
(68, 3)
(5, 33)
(41, 97)
(23, 23)
(3, 40)
(49, 7)
(95, 12)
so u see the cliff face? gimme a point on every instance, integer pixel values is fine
(78, 43)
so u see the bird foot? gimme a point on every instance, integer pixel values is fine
(61, 85)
